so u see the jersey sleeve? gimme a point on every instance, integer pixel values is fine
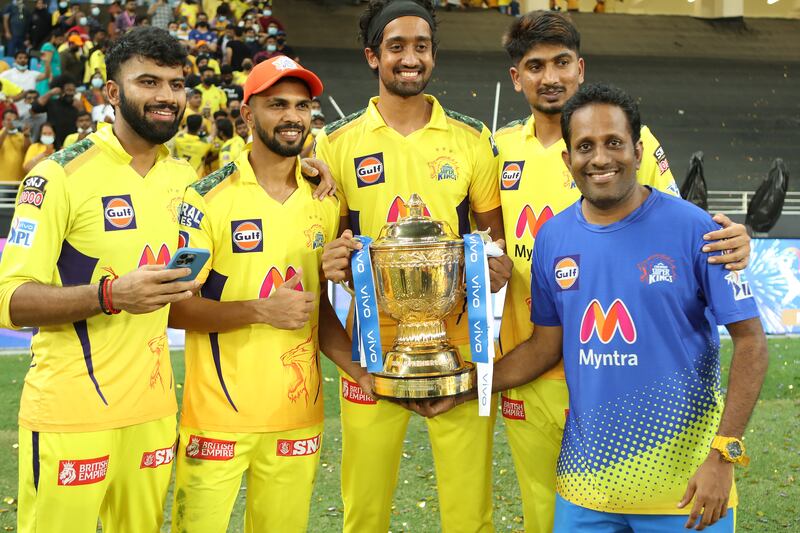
(484, 190)
(322, 150)
(543, 307)
(195, 228)
(38, 229)
(727, 293)
(654, 170)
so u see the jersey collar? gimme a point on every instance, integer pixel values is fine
(105, 138)
(529, 132)
(247, 175)
(438, 119)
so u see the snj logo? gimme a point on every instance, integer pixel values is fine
(606, 324)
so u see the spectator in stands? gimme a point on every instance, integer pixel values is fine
(284, 48)
(23, 77)
(251, 40)
(8, 91)
(188, 10)
(41, 24)
(81, 26)
(194, 106)
(223, 18)
(62, 17)
(50, 53)
(143, 21)
(234, 108)
(114, 11)
(72, 62)
(37, 151)
(160, 13)
(242, 130)
(236, 51)
(94, 21)
(267, 19)
(127, 19)
(102, 111)
(213, 97)
(83, 125)
(189, 145)
(192, 79)
(231, 144)
(232, 90)
(14, 141)
(96, 60)
(316, 107)
(60, 105)
(24, 104)
(224, 38)
(202, 32)
(16, 22)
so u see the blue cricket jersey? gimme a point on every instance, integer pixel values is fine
(639, 306)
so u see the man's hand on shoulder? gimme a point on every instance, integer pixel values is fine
(732, 240)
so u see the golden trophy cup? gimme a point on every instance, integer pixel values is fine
(418, 266)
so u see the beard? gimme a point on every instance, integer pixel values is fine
(551, 109)
(276, 146)
(154, 132)
(398, 87)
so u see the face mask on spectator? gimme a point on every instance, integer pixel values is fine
(315, 131)
(47, 139)
(20, 67)
(315, 113)
(83, 21)
(85, 130)
(267, 12)
(95, 11)
(241, 24)
(62, 5)
(271, 48)
(184, 26)
(256, 28)
(272, 30)
(174, 33)
(250, 39)
(222, 18)
(97, 82)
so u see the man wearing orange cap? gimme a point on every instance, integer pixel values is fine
(253, 395)
(72, 62)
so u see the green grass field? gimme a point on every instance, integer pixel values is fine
(769, 488)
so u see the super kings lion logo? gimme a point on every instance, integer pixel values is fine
(273, 280)
(82, 471)
(398, 210)
(606, 324)
(300, 367)
(530, 223)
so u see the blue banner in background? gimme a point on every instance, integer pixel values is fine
(774, 277)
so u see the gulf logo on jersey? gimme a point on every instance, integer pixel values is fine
(511, 175)
(369, 170)
(566, 272)
(273, 280)
(247, 236)
(149, 257)
(398, 210)
(529, 223)
(607, 323)
(118, 212)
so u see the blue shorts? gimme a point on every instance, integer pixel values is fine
(571, 518)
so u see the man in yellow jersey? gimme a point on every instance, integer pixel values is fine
(253, 393)
(189, 146)
(232, 145)
(404, 142)
(535, 184)
(97, 415)
(213, 97)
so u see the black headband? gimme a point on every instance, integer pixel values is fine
(394, 10)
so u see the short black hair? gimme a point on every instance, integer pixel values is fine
(18, 52)
(10, 111)
(374, 8)
(220, 114)
(193, 123)
(205, 69)
(601, 93)
(148, 42)
(195, 92)
(540, 27)
(238, 31)
(225, 127)
(83, 114)
(61, 80)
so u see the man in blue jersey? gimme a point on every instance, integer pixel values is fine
(621, 287)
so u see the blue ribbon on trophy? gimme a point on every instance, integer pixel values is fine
(366, 324)
(479, 316)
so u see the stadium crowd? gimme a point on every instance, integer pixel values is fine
(53, 75)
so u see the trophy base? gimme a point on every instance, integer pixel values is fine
(425, 386)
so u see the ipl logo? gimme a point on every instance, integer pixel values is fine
(606, 324)
(529, 223)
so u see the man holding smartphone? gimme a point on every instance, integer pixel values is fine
(253, 394)
(97, 415)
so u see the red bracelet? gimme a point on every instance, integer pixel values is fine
(107, 296)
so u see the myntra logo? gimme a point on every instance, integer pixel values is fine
(607, 323)
(530, 223)
(399, 210)
(273, 280)
(149, 257)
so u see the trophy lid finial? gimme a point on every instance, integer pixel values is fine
(416, 207)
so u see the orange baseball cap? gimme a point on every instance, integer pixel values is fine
(269, 72)
(75, 39)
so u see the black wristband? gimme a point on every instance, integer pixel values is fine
(100, 296)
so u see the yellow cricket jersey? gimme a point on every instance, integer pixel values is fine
(258, 378)
(189, 111)
(79, 213)
(213, 97)
(230, 150)
(191, 148)
(451, 163)
(535, 185)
